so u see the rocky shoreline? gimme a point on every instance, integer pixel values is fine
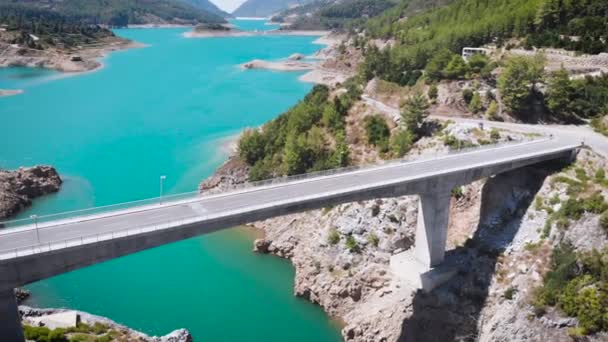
(18, 188)
(323, 67)
(82, 59)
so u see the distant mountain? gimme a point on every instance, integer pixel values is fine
(265, 8)
(208, 6)
(125, 12)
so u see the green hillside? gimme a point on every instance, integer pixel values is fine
(331, 14)
(541, 23)
(120, 12)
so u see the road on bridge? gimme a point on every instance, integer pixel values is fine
(201, 206)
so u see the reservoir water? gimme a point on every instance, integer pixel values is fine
(168, 109)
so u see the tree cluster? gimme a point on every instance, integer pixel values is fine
(421, 39)
(52, 28)
(117, 13)
(577, 284)
(308, 137)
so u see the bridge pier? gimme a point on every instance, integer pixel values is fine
(422, 266)
(10, 322)
(432, 229)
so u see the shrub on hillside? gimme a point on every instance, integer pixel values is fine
(377, 131)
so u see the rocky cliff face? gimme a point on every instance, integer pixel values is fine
(507, 314)
(19, 187)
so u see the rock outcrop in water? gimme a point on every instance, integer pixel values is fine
(19, 187)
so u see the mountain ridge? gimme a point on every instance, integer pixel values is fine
(120, 13)
(265, 8)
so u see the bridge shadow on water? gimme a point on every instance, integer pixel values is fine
(451, 312)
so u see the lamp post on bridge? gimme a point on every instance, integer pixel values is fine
(35, 218)
(160, 197)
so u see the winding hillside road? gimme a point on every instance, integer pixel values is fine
(584, 134)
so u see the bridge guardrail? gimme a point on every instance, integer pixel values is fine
(66, 215)
(408, 159)
(88, 239)
(176, 199)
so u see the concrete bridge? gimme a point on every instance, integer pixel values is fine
(47, 248)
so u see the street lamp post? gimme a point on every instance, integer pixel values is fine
(160, 197)
(35, 218)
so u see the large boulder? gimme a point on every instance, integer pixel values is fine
(19, 187)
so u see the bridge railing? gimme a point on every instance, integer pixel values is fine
(53, 220)
(388, 163)
(89, 239)
(66, 216)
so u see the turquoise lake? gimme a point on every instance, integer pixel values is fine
(171, 109)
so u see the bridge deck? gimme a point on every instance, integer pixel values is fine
(200, 207)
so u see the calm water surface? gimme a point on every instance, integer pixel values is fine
(167, 109)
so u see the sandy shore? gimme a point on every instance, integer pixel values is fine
(10, 92)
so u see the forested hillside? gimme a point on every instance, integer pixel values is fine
(41, 28)
(265, 8)
(116, 12)
(540, 23)
(331, 14)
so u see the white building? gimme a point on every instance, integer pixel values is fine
(469, 51)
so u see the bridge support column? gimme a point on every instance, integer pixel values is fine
(10, 322)
(422, 266)
(432, 229)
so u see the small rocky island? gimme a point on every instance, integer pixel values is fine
(215, 30)
(18, 188)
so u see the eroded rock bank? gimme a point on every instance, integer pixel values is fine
(86, 327)
(18, 188)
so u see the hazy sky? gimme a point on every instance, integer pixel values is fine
(228, 5)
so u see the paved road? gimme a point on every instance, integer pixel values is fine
(200, 206)
(596, 141)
